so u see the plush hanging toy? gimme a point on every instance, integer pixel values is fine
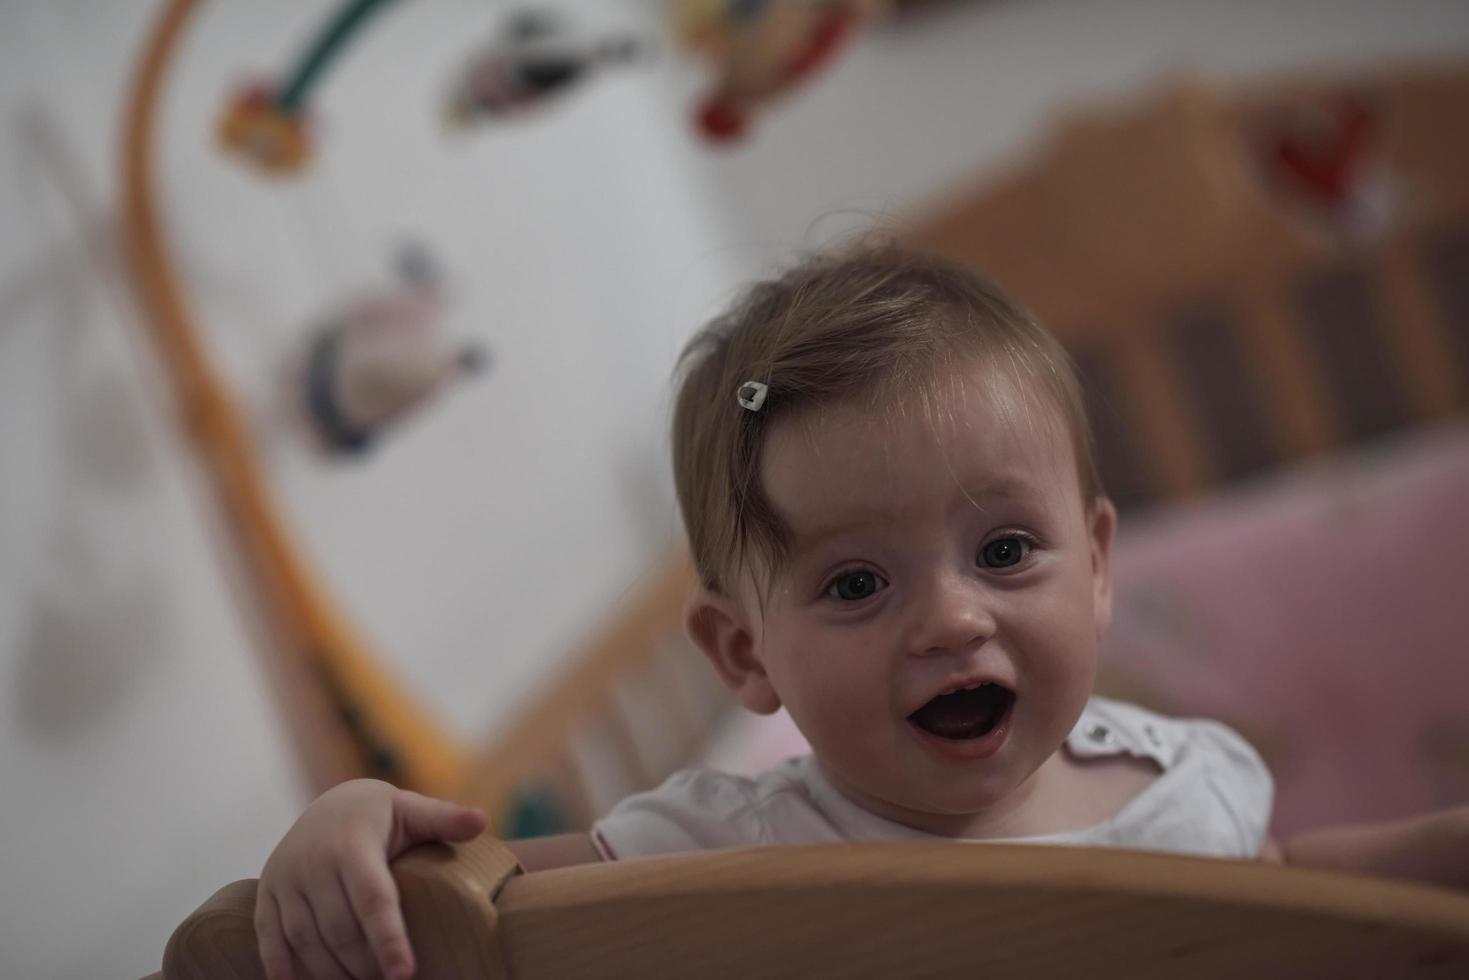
(762, 49)
(380, 360)
(538, 56)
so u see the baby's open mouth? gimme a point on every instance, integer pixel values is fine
(969, 713)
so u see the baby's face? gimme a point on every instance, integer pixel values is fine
(934, 553)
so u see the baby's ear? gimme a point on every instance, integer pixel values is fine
(719, 627)
(1102, 524)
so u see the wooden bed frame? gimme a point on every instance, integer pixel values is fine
(882, 910)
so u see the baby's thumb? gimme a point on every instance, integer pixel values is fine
(425, 819)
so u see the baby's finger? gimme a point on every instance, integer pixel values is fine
(337, 922)
(299, 926)
(275, 955)
(424, 818)
(374, 897)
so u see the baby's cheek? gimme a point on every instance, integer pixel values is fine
(837, 714)
(1061, 626)
(835, 705)
(1058, 656)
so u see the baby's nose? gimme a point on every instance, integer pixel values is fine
(953, 614)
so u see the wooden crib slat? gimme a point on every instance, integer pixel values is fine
(1289, 376)
(564, 776)
(1341, 312)
(1225, 394)
(1156, 408)
(605, 765)
(1445, 259)
(682, 696)
(1423, 348)
(642, 702)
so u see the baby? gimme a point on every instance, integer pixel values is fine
(886, 474)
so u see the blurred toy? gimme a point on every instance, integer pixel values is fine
(1323, 157)
(258, 131)
(763, 49)
(537, 56)
(266, 127)
(380, 360)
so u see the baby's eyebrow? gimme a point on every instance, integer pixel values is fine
(821, 531)
(813, 537)
(1013, 490)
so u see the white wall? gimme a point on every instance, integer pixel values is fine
(141, 763)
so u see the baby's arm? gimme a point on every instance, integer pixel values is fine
(1432, 848)
(327, 907)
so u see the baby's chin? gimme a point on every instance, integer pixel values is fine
(943, 806)
(960, 808)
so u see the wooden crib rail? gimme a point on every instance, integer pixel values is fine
(884, 910)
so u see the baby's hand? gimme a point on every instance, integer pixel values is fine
(327, 907)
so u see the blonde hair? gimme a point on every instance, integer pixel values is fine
(871, 321)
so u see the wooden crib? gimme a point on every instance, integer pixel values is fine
(1226, 324)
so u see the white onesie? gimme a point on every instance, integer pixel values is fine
(1212, 798)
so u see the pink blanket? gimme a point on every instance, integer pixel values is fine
(1323, 615)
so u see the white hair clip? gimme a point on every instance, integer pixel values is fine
(752, 395)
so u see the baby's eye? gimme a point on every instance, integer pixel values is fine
(1004, 552)
(856, 585)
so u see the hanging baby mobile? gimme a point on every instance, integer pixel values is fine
(380, 356)
(757, 51)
